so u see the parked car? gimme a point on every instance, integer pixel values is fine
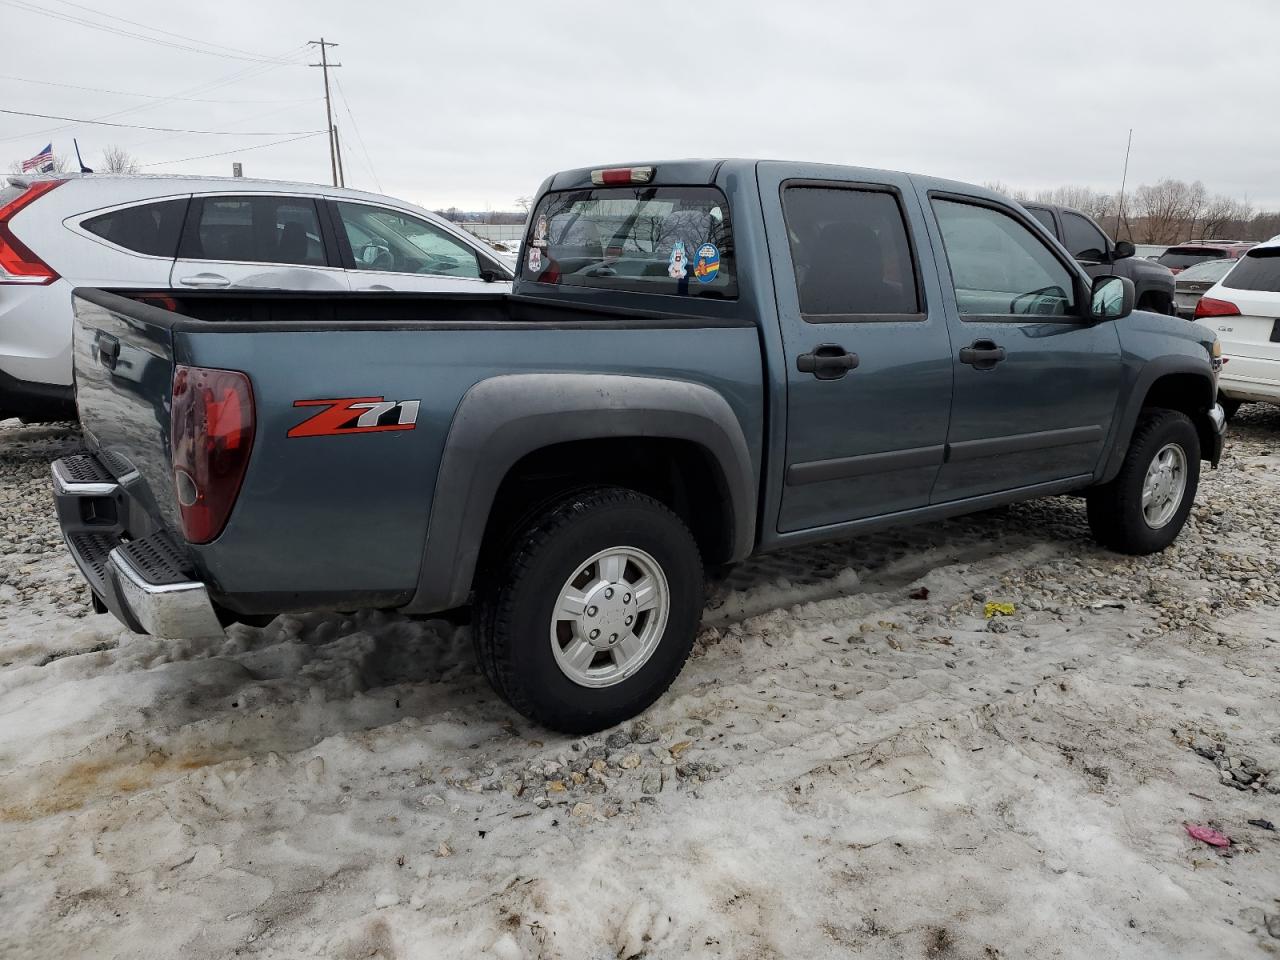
(146, 232)
(701, 360)
(1243, 310)
(1192, 282)
(1102, 257)
(1188, 254)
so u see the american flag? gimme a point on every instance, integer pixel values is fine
(42, 162)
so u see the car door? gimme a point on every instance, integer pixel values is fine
(390, 249)
(1036, 380)
(257, 241)
(868, 358)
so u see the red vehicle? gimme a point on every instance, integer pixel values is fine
(1192, 252)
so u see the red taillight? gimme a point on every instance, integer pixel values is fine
(212, 433)
(1209, 307)
(17, 263)
(615, 176)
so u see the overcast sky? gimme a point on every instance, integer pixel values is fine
(473, 103)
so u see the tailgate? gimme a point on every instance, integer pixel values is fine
(123, 359)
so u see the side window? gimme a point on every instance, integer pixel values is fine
(150, 228)
(851, 253)
(1045, 216)
(1081, 235)
(256, 230)
(999, 267)
(389, 240)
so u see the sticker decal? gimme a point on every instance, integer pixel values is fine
(540, 232)
(535, 259)
(677, 266)
(707, 265)
(356, 415)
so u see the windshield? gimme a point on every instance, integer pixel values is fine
(665, 240)
(1207, 270)
(1256, 270)
(1188, 256)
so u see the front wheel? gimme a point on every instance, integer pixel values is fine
(1145, 507)
(592, 612)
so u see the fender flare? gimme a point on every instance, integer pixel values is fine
(1127, 419)
(504, 418)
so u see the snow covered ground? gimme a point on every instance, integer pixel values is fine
(846, 767)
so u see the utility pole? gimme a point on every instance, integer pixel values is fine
(337, 149)
(326, 66)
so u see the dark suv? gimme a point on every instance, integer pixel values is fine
(1192, 252)
(1102, 257)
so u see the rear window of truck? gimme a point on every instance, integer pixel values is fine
(665, 240)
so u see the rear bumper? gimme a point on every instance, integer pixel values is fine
(145, 582)
(36, 402)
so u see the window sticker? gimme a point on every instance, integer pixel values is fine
(707, 265)
(678, 265)
(540, 232)
(535, 259)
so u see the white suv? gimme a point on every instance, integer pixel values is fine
(1243, 309)
(146, 232)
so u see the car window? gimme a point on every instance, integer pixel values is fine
(850, 252)
(1179, 257)
(1080, 235)
(675, 241)
(1208, 270)
(395, 242)
(256, 229)
(1045, 216)
(150, 228)
(1000, 267)
(1256, 270)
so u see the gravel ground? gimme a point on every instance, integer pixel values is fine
(856, 761)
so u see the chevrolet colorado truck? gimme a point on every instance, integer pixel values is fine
(700, 360)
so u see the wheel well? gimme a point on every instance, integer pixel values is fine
(1190, 393)
(678, 473)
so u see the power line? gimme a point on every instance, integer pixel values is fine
(135, 126)
(227, 153)
(147, 96)
(359, 139)
(106, 28)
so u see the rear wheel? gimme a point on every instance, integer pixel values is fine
(1145, 507)
(590, 615)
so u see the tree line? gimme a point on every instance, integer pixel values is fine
(1167, 212)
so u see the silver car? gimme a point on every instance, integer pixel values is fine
(1189, 286)
(162, 232)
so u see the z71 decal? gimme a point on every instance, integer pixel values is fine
(356, 415)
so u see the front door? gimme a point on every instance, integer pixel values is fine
(865, 340)
(1036, 380)
(258, 242)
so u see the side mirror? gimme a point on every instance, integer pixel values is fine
(1112, 298)
(1123, 250)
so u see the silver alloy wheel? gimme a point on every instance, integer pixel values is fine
(1164, 485)
(609, 617)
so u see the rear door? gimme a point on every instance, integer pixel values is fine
(390, 249)
(867, 350)
(1036, 381)
(257, 242)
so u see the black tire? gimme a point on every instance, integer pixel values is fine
(1115, 509)
(1230, 407)
(521, 587)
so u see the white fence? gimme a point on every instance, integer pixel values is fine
(500, 232)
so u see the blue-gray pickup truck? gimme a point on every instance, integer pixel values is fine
(700, 360)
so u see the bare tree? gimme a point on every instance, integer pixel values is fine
(1222, 212)
(1168, 211)
(116, 159)
(1093, 203)
(524, 203)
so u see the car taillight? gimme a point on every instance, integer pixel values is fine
(211, 431)
(615, 176)
(1209, 307)
(17, 263)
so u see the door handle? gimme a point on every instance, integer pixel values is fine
(827, 362)
(205, 280)
(982, 354)
(108, 350)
